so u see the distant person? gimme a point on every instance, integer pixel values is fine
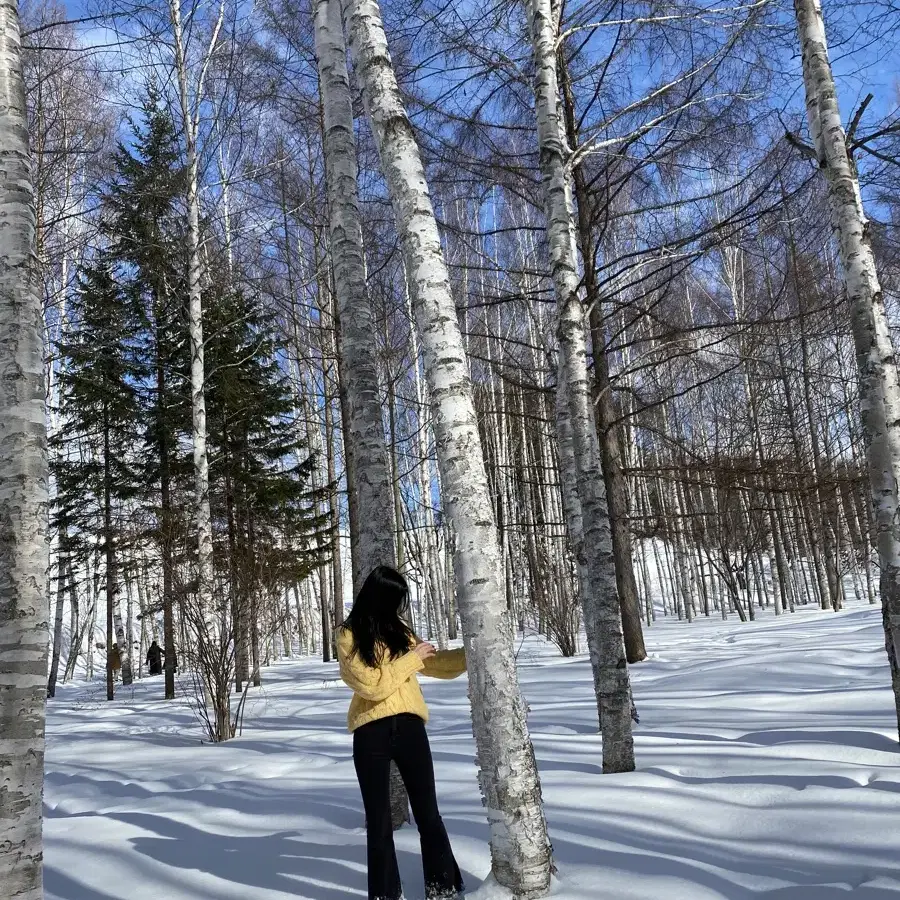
(379, 657)
(154, 659)
(115, 660)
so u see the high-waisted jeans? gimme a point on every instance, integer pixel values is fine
(402, 739)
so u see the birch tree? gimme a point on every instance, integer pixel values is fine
(520, 849)
(600, 601)
(190, 98)
(23, 495)
(372, 545)
(368, 475)
(879, 383)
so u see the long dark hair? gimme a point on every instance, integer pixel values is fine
(375, 620)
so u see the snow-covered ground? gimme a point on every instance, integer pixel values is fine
(767, 754)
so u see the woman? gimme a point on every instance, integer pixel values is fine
(379, 657)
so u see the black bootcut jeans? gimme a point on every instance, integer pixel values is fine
(402, 739)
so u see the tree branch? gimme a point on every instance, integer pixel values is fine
(800, 145)
(854, 122)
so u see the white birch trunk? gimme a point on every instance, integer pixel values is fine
(571, 504)
(371, 484)
(202, 515)
(600, 602)
(23, 494)
(520, 849)
(879, 384)
(369, 477)
(432, 561)
(122, 639)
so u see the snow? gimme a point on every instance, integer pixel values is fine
(767, 755)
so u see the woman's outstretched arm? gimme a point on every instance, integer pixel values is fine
(446, 664)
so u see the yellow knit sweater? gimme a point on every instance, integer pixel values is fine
(392, 687)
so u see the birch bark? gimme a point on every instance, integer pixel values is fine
(571, 504)
(122, 639)
(520, 849)
(191, 117)
(368, 477)
(611, 454)
(371, 482)
(23, 493)
(432, 562)
(600, 603)
(879, 383)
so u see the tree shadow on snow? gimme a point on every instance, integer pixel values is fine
(820, 892)
(863, 740)
(284, 861)
(259, 799)
(684, 870)
(59, 886)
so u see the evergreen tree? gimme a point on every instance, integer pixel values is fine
(127, 377)
(146, 230)
(95, 473)
(263, 505)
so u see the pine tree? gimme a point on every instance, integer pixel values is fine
(263, 507)
(147, 229)
(95, 473)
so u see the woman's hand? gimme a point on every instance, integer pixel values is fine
(425, 650)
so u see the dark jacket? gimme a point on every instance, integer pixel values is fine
(154, 659)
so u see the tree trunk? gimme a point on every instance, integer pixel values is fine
(76, 627)
(148, 622)
(122, 638)
(368, 476)
(121, 635)
(325, 613)
(826, 560)
(241, 670)
(432, 561)
(287, 628)
(396, 474)
(371, 487)
(337, 572)
(879, 384)
(129, 620)
(166, 519)
(616, 492)
(91, 631)
(601, 605)
(62, 573)
(574, 525)
(23, 494)
(609, 432)
(256, 673)
(520, 848)
(202, 515)
(109, 556)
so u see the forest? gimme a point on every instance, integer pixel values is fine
(581, 315)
